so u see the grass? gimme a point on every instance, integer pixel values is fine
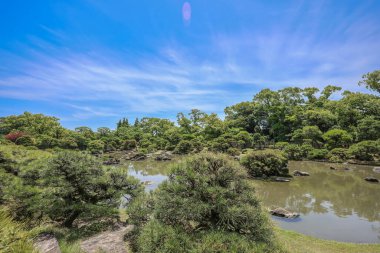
(297, 243)
(13, 237)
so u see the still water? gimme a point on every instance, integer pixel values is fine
(334, 204)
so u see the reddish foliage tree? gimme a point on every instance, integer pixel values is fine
(13, 136)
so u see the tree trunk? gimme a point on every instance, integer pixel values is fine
(71, 218)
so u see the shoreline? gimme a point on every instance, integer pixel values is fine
(295, 242)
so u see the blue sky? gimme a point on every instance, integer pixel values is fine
(93, 62)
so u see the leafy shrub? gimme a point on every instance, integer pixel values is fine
(68, 143)
(68, 186)
(294, 152)
(26, 140)
(265, 163)
(337, 138)
(365, 150)
(183, 147)
(281, 145)
(46, 142)
(233, 151)
(204, 195)
(317, 154)
(129, 144)
(338, 155)
(96, 147)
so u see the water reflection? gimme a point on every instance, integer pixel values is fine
(334, 204)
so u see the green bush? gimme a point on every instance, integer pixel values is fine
(365, 150)
(205, 194)
(96, 147)
(268, 162)
(338, 155)
(68, 186)
(317, 154)
(68, 143)
(46, 142)
(26, 140)
(183, 147)
(294, 152)
(337, 138)
(281, 145)
(233, 151)
(129, 144)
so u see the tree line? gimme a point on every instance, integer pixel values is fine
(306, 123)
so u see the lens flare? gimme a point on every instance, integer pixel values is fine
(186, 12)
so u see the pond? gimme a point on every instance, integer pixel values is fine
(334, 204)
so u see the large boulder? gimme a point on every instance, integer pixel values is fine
(135, 156)
(376, 169)
(281, 212)
(163, 156)
(298, 173)
(47, 243)
(371, 179)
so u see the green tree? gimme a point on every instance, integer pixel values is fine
(371, 80)
(368, 129)
(204, 195)
(96, 146)
(337, 138)
(75, 185)
(365, 150)
(184, 147)
(261, 163)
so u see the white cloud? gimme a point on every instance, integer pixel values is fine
(229, 69)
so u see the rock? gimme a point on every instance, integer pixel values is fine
(300, 173)
(107, 242)
(47, 243)
(281, 179)
(147, 182)
(112, 161)
(371, 179)
(346, 168)
(135, 156)
(163, 156)
(332, 168)
(376, 169)
(281, 212)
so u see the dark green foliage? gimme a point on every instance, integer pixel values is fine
(371, 80)
(294, 152)
(45, 142)
(365, 150)
(183, 147)
(129, 144)
(65, 187)
(78, 186)
(26, 140)
(68, 143)
(368, 129)
(207, 197)
(96, 146)
(338, 155)
(337, 138)
(317, 154)
(261, 163)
